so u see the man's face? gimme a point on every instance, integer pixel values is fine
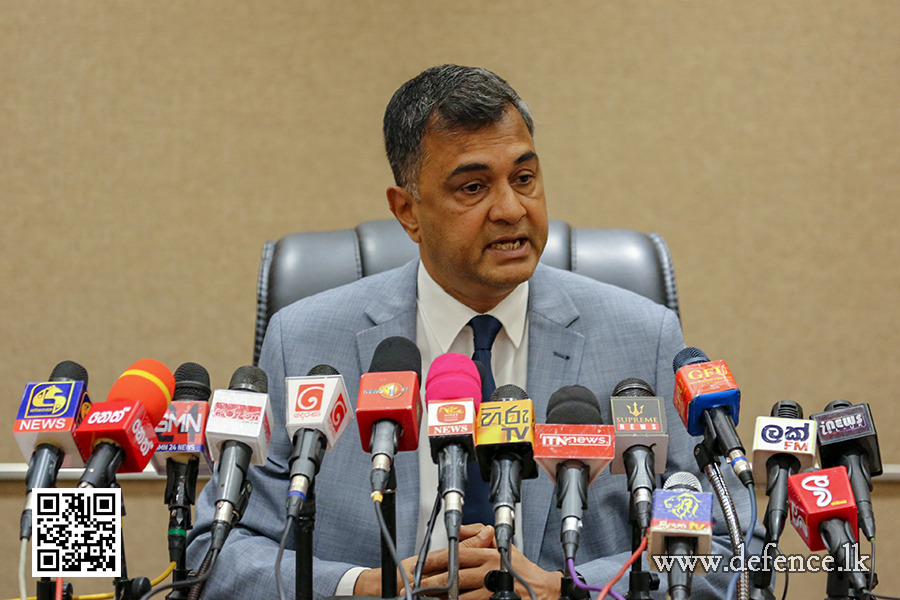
(481, 219)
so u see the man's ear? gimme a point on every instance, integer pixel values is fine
(405, 209)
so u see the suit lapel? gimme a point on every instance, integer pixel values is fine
(393, 312)
(555, 351)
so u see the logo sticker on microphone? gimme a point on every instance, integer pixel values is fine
(451, 413)
(683, 506)
(818, 485)
(338, 412)
(237, 412)
(391, 390)
(309, 397)
(49, 400)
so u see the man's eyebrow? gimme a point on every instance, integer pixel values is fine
(530, 155)
(469, 167)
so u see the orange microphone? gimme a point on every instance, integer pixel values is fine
(119, 435)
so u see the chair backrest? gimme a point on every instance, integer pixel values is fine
(302, 264)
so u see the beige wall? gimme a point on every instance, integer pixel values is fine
(149, 149)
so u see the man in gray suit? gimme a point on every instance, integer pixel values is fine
(469, 192)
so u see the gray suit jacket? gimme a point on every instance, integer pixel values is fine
(581, 331)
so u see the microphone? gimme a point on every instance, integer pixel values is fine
(317, 414)
(642, 441)
(388, 408)
(708, 401)
(181, 445)
(44, 429)
(504, 438)
(452, 397)
(824, 513)
(681, 526)
(238, 432)
(783, 445)
(847, 437)
(118, 436)
(573, 448)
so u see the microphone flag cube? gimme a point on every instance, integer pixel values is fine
(241, 416)
(818, 496)
(505, 426)
(640, 421)
(50, 412)
(392, 395)
(593, 445)
(451, 421)
(183, 431)
(124, 422)
(776, 435)
(683, 513)
(705, 385)
(317, 402)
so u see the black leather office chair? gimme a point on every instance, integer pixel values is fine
(302, 264)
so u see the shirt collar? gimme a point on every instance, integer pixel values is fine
(447, 316)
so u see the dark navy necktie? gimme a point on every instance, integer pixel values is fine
(478, 507)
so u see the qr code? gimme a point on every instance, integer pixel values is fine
(77, 532)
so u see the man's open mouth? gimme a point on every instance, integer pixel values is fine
(508, 244)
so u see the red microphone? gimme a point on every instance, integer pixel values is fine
(388, 408)
(823, 511)
(119, 435)
(452, 395)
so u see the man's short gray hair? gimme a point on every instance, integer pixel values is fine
(445, 97)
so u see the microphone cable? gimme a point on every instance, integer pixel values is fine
(389, 544)
(507, 564)
(212, 555)
(281, 546)
(426, 540)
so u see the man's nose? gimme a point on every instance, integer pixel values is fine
(506, 205)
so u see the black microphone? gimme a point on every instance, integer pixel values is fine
(572, 405)
(641, 433)
(847, 438)
(182, 468)
(505, 451)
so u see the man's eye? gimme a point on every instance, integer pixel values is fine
(526, 178)
(472, 188)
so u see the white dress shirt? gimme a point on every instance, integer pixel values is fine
(441, 327)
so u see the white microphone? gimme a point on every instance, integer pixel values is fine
(238, 433)
(317, 413)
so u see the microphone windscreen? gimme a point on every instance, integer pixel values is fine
(633, 387)
(689, 356)
(453, 376)
(69, 370)
(574, 405)
(787, 409)
(322, 370)
(250, 378)
(682, 482)
(508, 392)
(397, 353)
(148, 381)
(191, 383)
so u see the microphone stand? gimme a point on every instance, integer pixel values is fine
(303, 545)
(388, 566)
(503, 585)
(127, 589)
(640, 582)
(181, 485)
